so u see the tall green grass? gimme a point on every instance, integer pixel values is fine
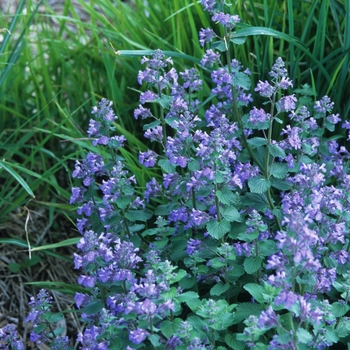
(56, 66)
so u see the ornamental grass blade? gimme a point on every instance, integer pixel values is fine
(254, 31)
(8, 167)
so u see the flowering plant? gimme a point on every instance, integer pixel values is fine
(239, 240)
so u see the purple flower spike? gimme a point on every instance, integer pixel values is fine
(268, 318)
(138, 336)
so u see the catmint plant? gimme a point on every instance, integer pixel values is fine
(239, 240)
(9, 338)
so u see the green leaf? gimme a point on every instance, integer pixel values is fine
(14, 267)
(278, 213)
(161, 243)
(256, 201)
(166, 166)
(179, 276)
(238, 41)
(237, 271)
(343, 329)
(169, 328)
(164, 101)
(339, 309)
(219, 289)
(184, 297)
(257, 141)
(231, 214)
(276, 151)
(136, 227)
(223, 321)
(199, 324)
(331, 335)
(306, 160)
(279, 170)
(193, 165)
(218, 229)
(256, 291)
(123, 202)
(244, 310)
(170, 293)
(252, 264)
(93, 308)
(151, 125)
(217, 263)
(53, 317)
(154, 339)
(226, 196)
(258, 184)
(164, 209)
(280, 184)
(193, 304)
(219, 45)
(39, 328)
(188, 282)
(303, 335)
(267, 247)
(233, 343)
(138, 215)
(242, 80)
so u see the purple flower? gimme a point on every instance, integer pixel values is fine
(87, 281)
(60, 343)
(148, 96)
(102, 140)
(192, 79)
(157, 61)
(324, 105)
(334, 118)
(293, 136)
(285, 83)
(94, 128)
(268, 318)
(280, 344)
(225, 19)
(41, 304)
(264, 89)
(138, 336)
(180, 214)
(199, 217)
(193, 245)
(287, 103)
(155, 134)
(276, 261)
(286, 298)
(206, 36)
(257, 116)
(173, 342)
(77, 195)
(90, 340)
(148, 159)
(9, 337)
(104, 111)
(209, 5)
(278, 69)
(243, 249)
(143, 112)
(153, 189)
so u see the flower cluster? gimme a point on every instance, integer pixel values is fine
(9, 338)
